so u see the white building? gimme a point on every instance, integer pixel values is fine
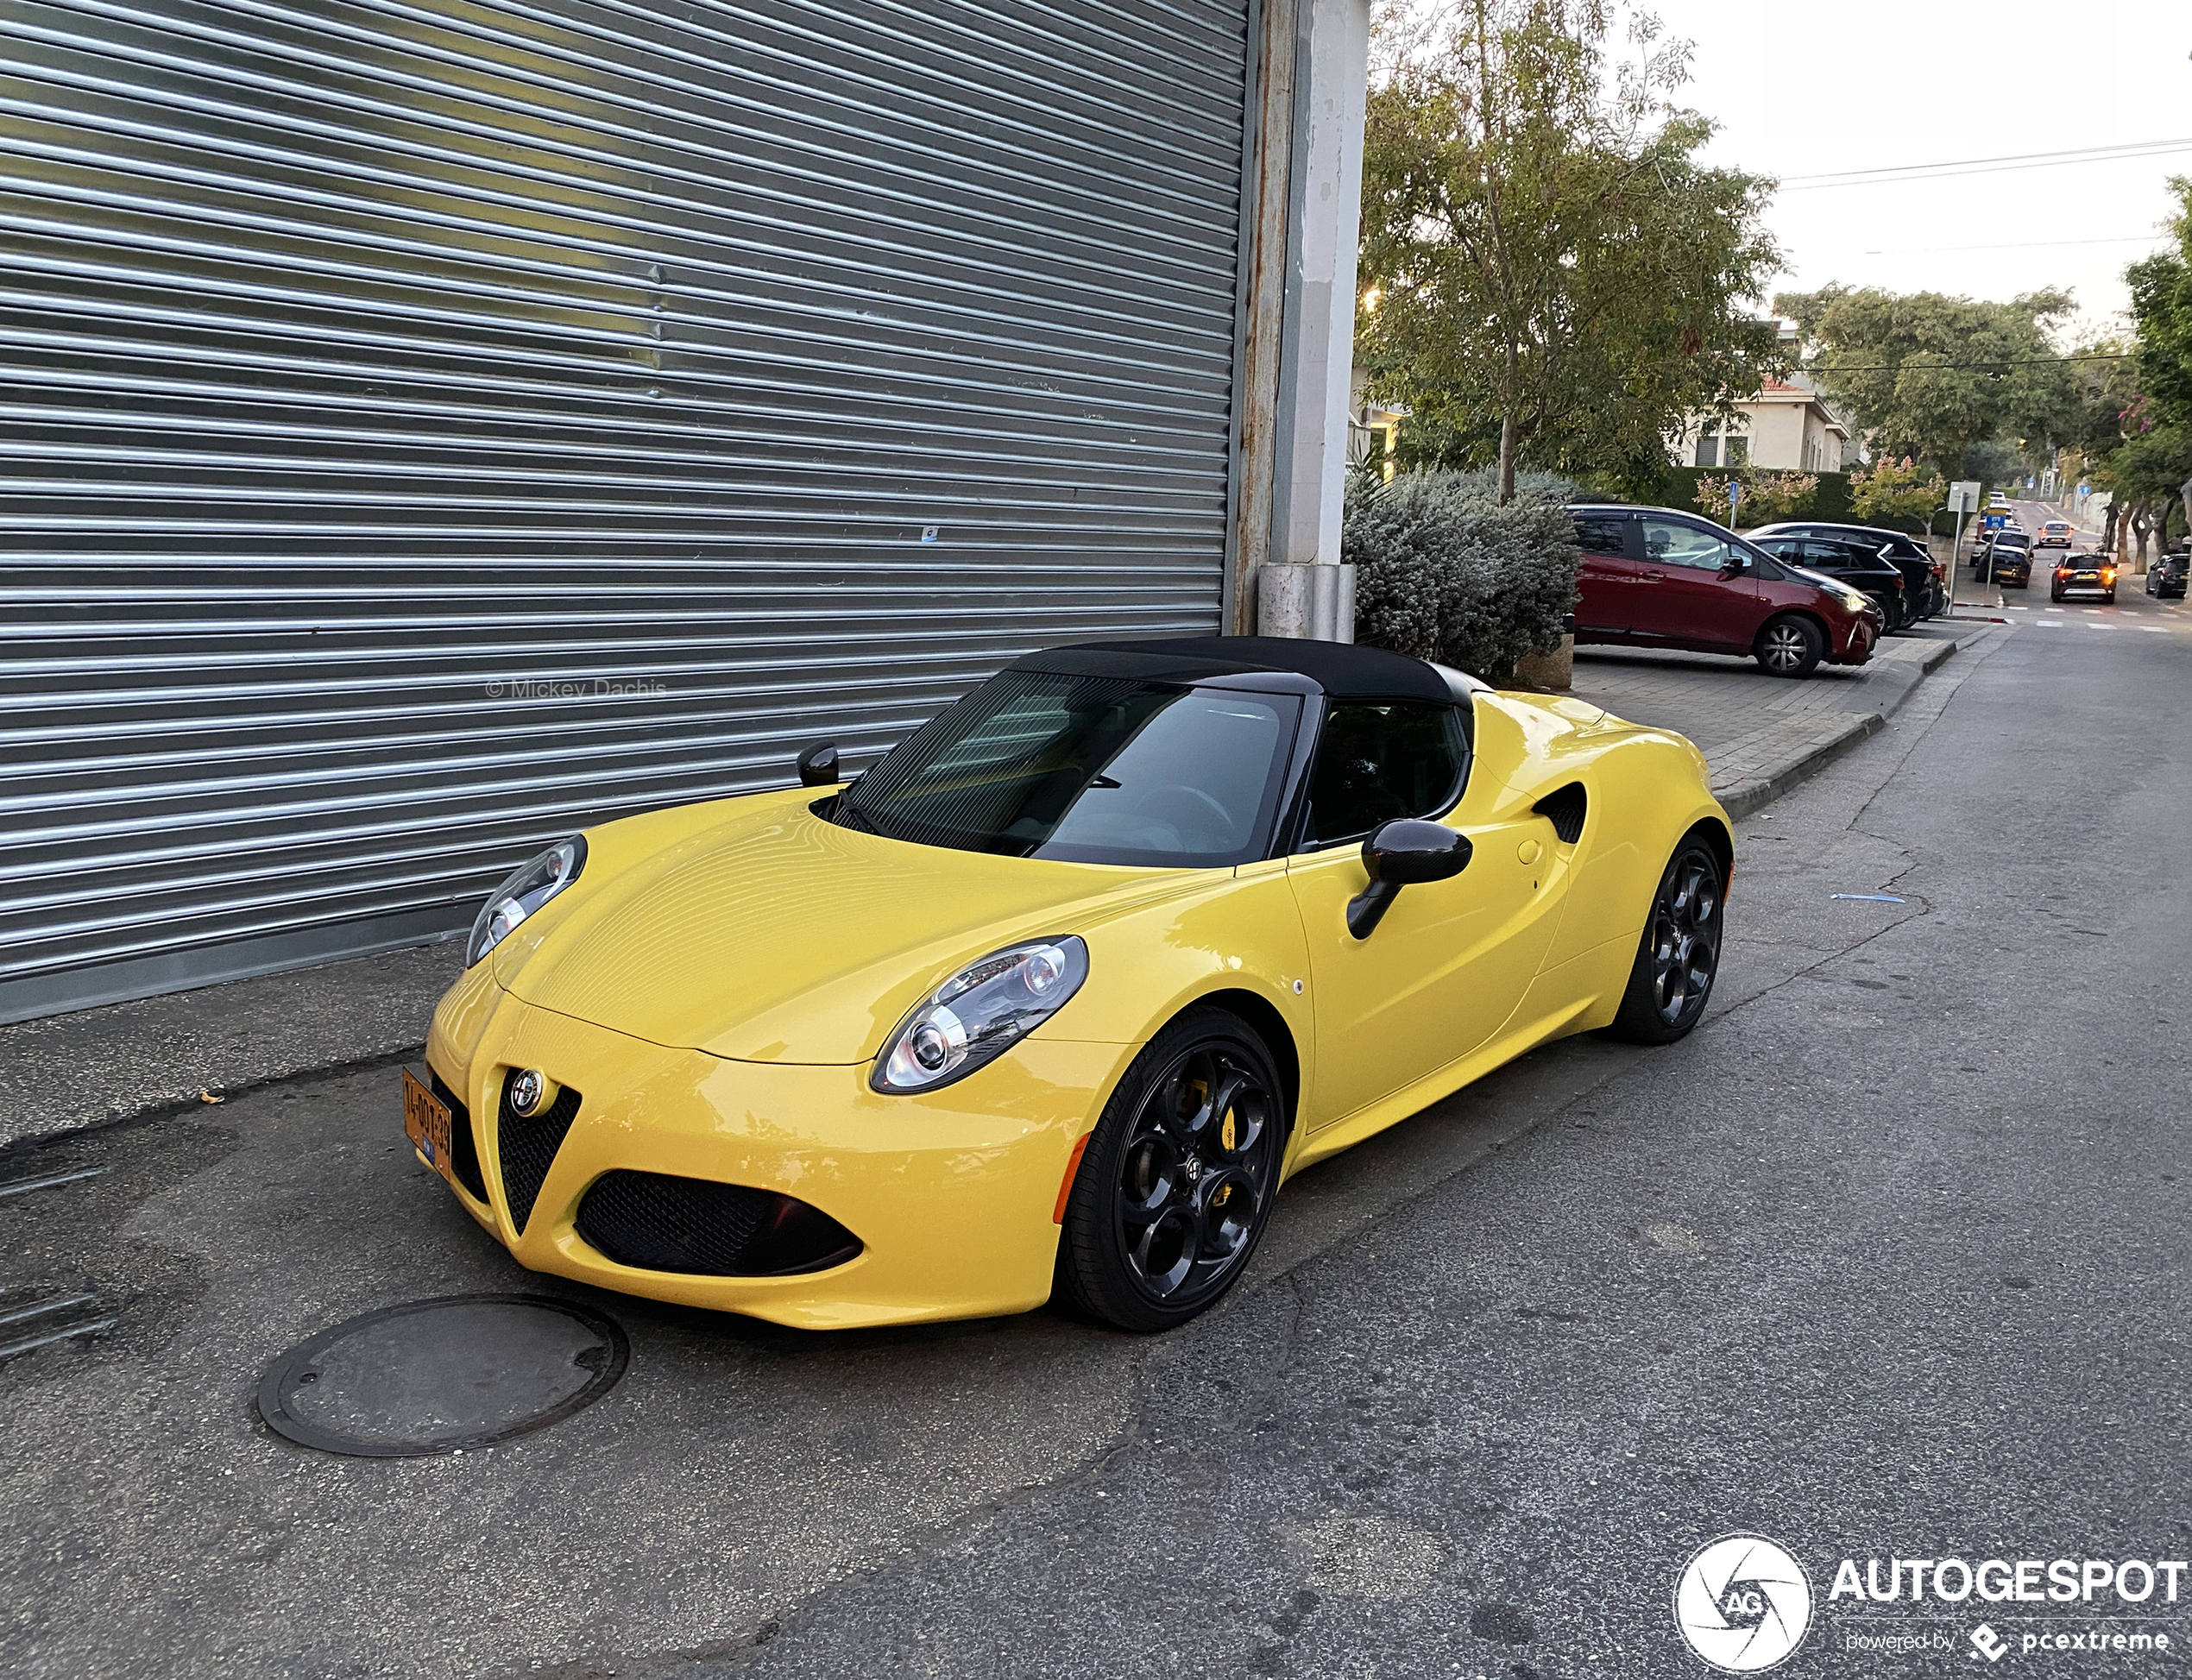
(1787, 427)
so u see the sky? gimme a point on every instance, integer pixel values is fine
(1861, 85)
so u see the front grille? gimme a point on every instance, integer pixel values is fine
(464, 1148)
(527, 1149)
(661, 1222)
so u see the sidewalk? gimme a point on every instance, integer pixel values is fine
(1760, 734)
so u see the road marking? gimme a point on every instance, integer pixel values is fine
(2153, 629)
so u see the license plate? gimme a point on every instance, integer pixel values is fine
(426, 1121)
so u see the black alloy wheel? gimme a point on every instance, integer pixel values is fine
(1177, 1182)
(1790, 646)
(1680, 954)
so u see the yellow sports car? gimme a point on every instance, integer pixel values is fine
(1056, 996)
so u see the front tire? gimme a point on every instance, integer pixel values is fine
(1678, 957)
(1177, 1182)
(1790, 646)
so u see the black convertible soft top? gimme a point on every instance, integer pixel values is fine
(1333, 668)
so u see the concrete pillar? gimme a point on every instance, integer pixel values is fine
(1317, 327)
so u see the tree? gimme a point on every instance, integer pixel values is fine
(2153, 467)
(2161, 296)
(1931, 376)
(1550, 271)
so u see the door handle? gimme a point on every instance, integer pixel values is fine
(1655, 577)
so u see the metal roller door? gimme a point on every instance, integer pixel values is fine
(435, 426)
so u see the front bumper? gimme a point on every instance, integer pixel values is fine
(1853, 644)
(951, 1194)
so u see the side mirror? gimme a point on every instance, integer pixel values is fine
(1737, 562)
(1403, 852)
(818, 766)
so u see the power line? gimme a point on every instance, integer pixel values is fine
(2017, 245)
(1944, 367)
(1914, 172)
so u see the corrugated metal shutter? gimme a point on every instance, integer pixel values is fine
(435, 426)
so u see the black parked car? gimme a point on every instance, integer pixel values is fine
(1922, 579)
(2007, 558)
(1879, 580)
(2165, 577)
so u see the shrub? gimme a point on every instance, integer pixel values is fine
(1444, 572)
(1767, 496)
(1896, 490)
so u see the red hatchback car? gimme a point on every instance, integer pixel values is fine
(1651, 577)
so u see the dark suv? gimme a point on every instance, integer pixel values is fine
(2165, 577)
(1924, 582)
(1879, 580)
(1651, 577)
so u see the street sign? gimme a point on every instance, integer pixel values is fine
(1963, 497)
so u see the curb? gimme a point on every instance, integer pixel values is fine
(1754, 793)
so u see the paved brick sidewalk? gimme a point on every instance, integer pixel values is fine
(1761, 733)
(1714, 702)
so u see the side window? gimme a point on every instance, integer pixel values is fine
(1825, 556)
(1601, 534)
(1379, 759)
(1673, 545)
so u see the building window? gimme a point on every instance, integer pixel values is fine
(1722, 446)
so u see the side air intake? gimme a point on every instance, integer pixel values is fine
(1564, 810)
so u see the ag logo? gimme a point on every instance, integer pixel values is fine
(1743, 1604)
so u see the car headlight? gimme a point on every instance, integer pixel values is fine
(1854, 602)
(529, 887)
(980, 1013)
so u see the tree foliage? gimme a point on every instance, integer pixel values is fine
(2149, 467)
(1931, 376)
(1550, 272)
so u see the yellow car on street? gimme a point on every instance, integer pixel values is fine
(1053, 998)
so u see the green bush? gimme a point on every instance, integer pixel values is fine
(1444, 572)
(1830, 501)
(1765, 496)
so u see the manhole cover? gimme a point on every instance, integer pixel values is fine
(435, 1376)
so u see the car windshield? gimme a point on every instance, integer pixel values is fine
(1088, 770)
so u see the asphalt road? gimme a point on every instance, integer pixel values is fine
(1889, 1258)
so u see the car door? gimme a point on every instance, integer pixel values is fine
(1606, 576)
(1689, 597)
(1443, 970)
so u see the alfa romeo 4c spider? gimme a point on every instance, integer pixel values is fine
(1055, 997)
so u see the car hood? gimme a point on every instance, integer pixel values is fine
(754, 929)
